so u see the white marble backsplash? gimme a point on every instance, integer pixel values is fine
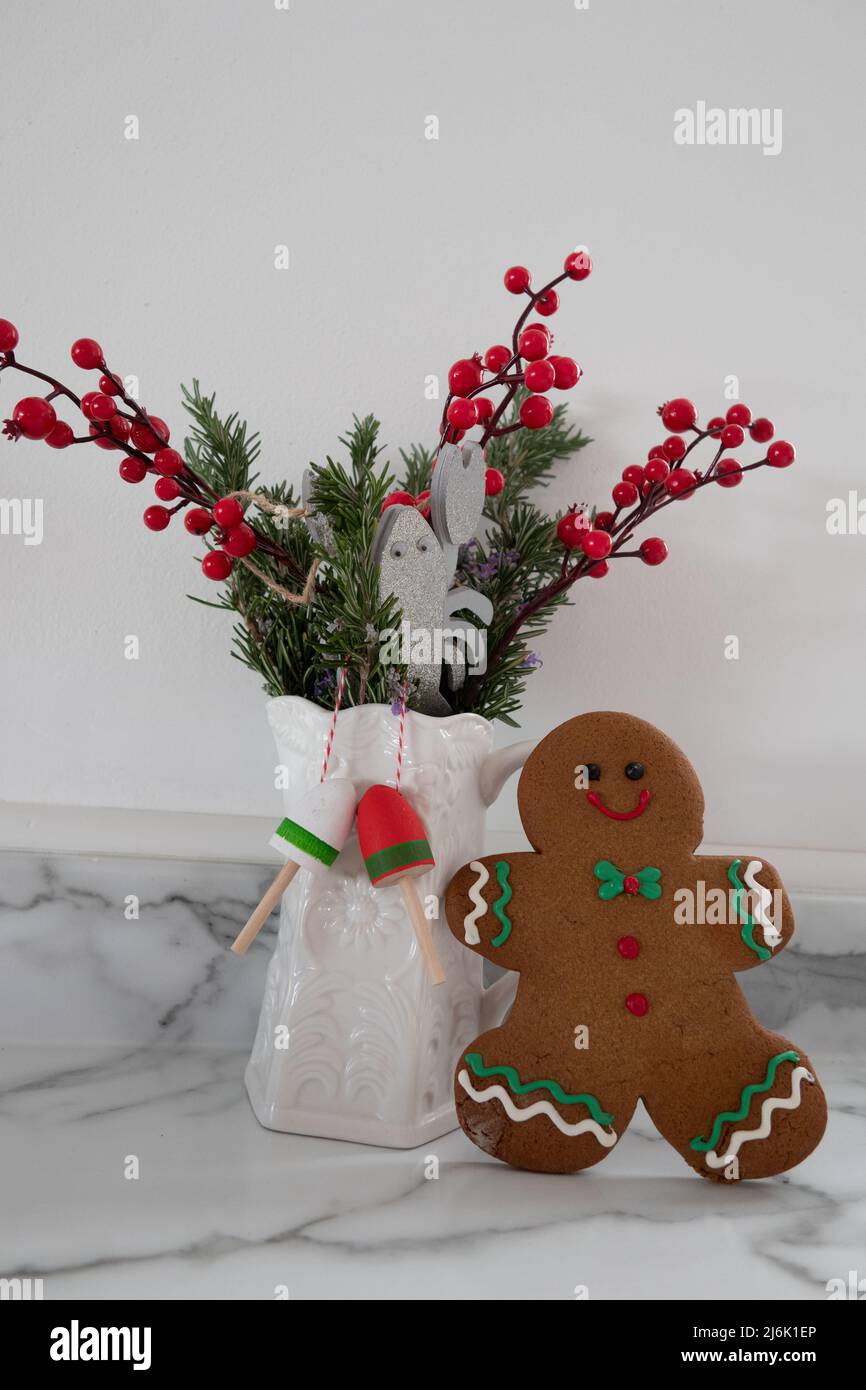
(128, 1038)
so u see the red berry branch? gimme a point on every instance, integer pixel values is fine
(117, 422)
(589, 539)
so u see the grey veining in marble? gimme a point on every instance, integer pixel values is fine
(124, 1038)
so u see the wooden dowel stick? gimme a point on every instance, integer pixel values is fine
(245, 938)
(422, 931)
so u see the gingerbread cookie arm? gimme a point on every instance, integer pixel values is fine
(483, 901)
(758, 921)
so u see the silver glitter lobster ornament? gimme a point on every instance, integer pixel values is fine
(417, 561)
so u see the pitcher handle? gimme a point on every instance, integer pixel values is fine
(497, 1000)
(498, 767)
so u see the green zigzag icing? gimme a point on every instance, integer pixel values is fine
(502, 902)
(748, 930)
(734, 1116)
(521, 1088)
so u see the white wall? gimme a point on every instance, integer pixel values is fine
(260, 127)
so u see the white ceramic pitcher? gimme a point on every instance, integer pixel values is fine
(353, 1041)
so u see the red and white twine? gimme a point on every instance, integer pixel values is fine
(329, 741)
(402, 735)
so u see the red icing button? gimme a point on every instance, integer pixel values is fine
(628, 947)
(630, 883)
(637, 1004)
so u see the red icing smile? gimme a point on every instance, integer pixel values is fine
(642, 802)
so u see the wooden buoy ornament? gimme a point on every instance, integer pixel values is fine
(395, 849)
(310, 839)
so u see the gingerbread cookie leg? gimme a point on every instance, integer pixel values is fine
(548, 1115)
(750, 1113)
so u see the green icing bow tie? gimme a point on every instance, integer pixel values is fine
(613, 882)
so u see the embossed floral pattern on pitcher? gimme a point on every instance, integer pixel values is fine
(353, 1041)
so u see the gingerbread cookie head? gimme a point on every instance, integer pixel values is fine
(608, 785)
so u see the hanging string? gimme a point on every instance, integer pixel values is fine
(278, 509)
(402, 735)
(329, 741)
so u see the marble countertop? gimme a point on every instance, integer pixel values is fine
(112, 1055)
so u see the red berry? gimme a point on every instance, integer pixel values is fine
(596, 544)
(103, 436)
(60, 436)
(462, 414)
(539, 376)
(538, 327)
(197, 521)
(547, 303)
(394, 499)
(496, 357)
(674, 447)
(86, 400)
(111, 384)
(156, 518)
(566, 372)
(762, 430)
(536, 412)
(217, 565)
(678, 415)
(572, 527)
(8, 336)
(578, 265)
(86, 353)
(732, 437)
(716, 425)
(633, 474)
(517, 279)
(169, 462)
(681, 483)
(422, 503)
(453, 436)
(739, 415)
(464, 376)
(533, 344)
(657, 470)
(166, 489)
(781, 454)
(34, 417)
(100, 406)
(241, 540)
(228, 511)
(729, 473)
(603, 520)
(653, 550)
(598, 571)
(625, 494)
(133, 471)
(494, 482)
(657, 452)
(483, 407)
(146, 440)
(119, 427)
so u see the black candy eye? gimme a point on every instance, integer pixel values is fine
(593, 772)
(634, 771)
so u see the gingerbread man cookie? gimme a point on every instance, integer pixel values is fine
(627, 943)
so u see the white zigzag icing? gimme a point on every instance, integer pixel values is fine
(470, 930)
(540, 1107)
(772, 1103)
(771, 933)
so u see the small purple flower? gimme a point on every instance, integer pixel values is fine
(325, 683)
(531, 662)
